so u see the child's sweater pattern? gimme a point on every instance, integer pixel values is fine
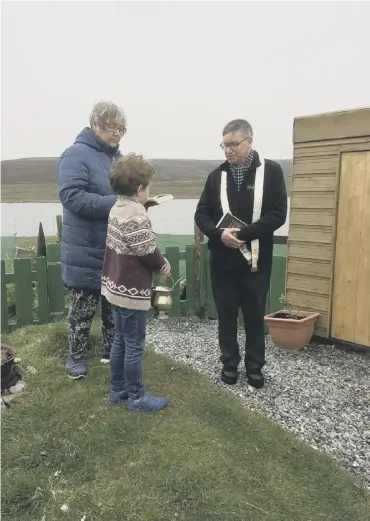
(131, 256)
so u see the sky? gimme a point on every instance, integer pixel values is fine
(180, 70)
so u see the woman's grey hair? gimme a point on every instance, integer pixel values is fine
(106, 113)
(238, 125)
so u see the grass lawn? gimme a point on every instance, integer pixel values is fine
(30, 193)
(204, 458)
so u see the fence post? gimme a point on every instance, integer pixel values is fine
(198, 240)
(210, 306)
(23, 291)
(53, 252)
(56, 290)
(203, 278)
(41, 243)
(42, 289)
(190, 280)
(172, 254)
(4, 301)
(59, 227)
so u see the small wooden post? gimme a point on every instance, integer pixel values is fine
(42, 289)
(59, 227)
(4, 300)
(23, 291)
(41, 243)
(190, 280)
(56, 291)
(172, 254)
(198, 239)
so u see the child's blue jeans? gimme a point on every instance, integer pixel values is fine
(127, 351)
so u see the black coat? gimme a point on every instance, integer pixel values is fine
(273, 214)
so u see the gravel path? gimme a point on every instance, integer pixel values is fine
(321, 393)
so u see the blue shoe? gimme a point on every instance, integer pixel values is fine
(76, 369)
(147, 403)
(117, 397)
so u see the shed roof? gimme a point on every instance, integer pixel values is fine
(332, 125)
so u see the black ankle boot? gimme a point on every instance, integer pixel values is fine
(255, 378)
(229, 377)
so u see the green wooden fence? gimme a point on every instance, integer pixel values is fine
(34, 292)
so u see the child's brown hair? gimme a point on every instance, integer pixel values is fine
(129, 173)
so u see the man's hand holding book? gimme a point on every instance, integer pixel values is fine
(229, 238)
(231, 226)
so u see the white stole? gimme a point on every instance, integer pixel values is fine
(251, 257)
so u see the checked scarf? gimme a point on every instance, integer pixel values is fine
(239, 171)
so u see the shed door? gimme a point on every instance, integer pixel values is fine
(351, 290)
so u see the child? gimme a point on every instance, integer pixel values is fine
(131, 258)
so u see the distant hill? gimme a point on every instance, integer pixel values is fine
(43, 170)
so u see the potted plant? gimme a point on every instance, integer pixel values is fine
(291, 329)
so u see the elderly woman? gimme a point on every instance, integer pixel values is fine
(86, 195)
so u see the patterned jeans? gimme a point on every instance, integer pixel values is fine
(82, 308)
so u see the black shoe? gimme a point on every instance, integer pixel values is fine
(229, 377)
(255, 378)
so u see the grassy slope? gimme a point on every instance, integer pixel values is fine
(44, 193)
(34, 179)
(204, 458)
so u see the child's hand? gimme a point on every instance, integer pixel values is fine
(165, 272)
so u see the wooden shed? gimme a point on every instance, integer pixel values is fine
(328, 259)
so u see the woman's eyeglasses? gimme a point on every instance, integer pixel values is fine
(113, 129)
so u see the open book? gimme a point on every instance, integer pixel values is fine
(158, 199)
(230, 221)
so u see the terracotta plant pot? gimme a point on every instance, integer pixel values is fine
(291, 333)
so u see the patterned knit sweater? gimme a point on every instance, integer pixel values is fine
(131, 256)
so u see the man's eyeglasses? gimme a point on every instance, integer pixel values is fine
(232, 146)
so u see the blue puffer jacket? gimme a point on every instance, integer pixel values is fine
(87, 197)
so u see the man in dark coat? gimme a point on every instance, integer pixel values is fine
(253, 190)
(87, 197)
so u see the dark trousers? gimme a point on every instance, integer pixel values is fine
(82, 308)
(234, 290)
